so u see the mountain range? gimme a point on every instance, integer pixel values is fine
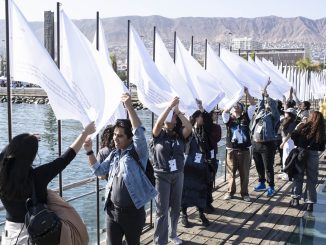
(264, 29)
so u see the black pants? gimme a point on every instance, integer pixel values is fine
(122, 222)
(263, 154)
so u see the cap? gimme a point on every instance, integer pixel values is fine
(291, 110)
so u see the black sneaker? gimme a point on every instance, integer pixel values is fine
(310, 207)
(204, 220)
(184, 221)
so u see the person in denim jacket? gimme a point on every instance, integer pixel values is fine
(263, 140)
(128, 187)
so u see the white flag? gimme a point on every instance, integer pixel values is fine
(249, 76)
(30, 62)
(102, 46)
(95, 83)
(227, 80)
(168, 69)
(152, 88)
(279, 86)
(120, 113)
(205, 85)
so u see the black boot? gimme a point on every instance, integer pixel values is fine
(210, 209)
(204, 220)
(294, 202)
(184, 221)
(310, 207)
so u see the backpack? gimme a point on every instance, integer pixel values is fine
(43, 225)
(149, 171)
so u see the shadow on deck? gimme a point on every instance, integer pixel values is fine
(261, 221)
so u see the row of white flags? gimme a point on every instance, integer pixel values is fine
(86, 88)
(306, 89)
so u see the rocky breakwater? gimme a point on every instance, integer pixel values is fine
(24, 95)
(38, 96)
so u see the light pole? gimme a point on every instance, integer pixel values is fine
(229, 37)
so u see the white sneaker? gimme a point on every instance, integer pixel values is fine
(175, 240)
(285, 177)
(227, 196)
(246, 198)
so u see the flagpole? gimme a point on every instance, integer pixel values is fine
(192, 46)
(205, 62)
(151, 204)
(97, 149)
(8, 73)
(128, 54)
(58, 64)
(174, 45)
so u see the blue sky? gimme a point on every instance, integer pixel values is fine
(313, 9)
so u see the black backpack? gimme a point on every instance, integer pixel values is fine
(149, 172)
(43, 225)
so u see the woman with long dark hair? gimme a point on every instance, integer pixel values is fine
(287, 126)
(168, 159)
(196, 171)
(311, 136)
(17, 177)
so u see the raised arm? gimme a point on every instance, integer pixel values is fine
(187, 128)
(161, 119)
(134, 119)
(250, 98)
(79, 141)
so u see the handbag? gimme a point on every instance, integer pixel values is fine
(43, 225)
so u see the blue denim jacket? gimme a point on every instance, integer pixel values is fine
(139, 187)
(269, 118)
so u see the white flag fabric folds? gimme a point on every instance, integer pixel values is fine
(30, 62)
(279, 85)
(205, 85)
(278, 79)
(249, 76)
(102, 46)
(120, 112)
(95, 83)
(152, 88)
(227, 80)
(169, 70)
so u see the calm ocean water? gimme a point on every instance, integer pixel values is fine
(40, 119)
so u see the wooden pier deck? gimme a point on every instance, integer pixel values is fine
(264, 220)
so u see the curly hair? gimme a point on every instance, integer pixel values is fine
(315, 127)
(107, 137)
(16, 166)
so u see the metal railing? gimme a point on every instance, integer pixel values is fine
(150, 209)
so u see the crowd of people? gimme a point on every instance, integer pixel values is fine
(183, 155)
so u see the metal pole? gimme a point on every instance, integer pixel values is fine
(128, 51)
(97, 150)
(8, 73)
(58, 64)
(219, 49)
(174, 45)
(192, 46)
(205, 62)
(151, 204)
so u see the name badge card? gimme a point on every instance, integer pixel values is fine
(198, 157)
(173, 165)
(212, 154)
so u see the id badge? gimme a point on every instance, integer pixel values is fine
(173, 165)
(198, 157)
(240, 139)
(212, 154)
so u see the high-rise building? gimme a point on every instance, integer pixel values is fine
(245, 43)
